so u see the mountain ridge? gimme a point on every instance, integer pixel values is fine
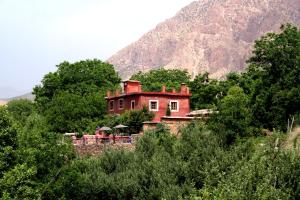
(209, 35)
(28, 96)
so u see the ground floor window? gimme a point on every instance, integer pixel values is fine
(132, 104)
(121, 103)
(111, 105)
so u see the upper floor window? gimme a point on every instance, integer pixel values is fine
(111, 105)
(153, 105)
(174, 106)
(121, 103)
(132, 105)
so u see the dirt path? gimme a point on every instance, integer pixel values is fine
(293, 138)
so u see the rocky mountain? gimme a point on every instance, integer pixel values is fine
(207, 35)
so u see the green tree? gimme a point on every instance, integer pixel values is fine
(133, 119)
(20, 109)
(39, 156)
(234, 117)
(206, 92)
(8, 142)
(19, 183)
(274, 69)
(73, 96)
(154, 80)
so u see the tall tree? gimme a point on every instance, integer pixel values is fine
(275, 70)
(8, 141)
(153, 80)
(20, 109)
(205, 91)
(73, 96)
(234, 117)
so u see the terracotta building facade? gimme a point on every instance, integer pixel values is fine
(134, 98)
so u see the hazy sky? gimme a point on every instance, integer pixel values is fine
(36, 35)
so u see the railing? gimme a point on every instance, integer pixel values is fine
(92, 139)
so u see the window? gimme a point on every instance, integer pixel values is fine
(121, 103)
(174, 106)
(132, 104)
(111, 105)
(153, 105)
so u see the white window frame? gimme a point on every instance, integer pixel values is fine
(132, 101)
(121, 108)
(170, 105)
(157, 103)
(113, 107)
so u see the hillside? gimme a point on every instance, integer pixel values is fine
(2, 102)
(207, 35)
(28, 96)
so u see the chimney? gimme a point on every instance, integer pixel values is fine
(117, 92)
(131, 86)
(108, 93)
(173, 90)
(183, 89)
(163, 89)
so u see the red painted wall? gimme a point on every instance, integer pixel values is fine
(132, 91)
(126, 104)
(163, 101)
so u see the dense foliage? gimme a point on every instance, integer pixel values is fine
(155, 79)
(73, 97)
(132, 118)
(274, 69)
(225, 157)
(196, 165)
(234, 118)
(31, 156)
(20, 110)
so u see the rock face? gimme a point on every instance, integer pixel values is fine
(207, 35)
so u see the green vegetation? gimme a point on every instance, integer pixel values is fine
(274, 70)
(196, 165)
(31, 156)
(20, 110)
(226, 157)
(73, 97)
(155, 79)
(133, 119)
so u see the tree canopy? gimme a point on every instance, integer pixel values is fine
(153, 80)
(274, 69)
(224, 157)
(73, 96)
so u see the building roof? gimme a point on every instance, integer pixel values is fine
(202, 112)
(149, 94)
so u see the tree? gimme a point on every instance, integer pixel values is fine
(73, 96)
(234, 117)
(20, 109)
(274, 69)
(206, 92)
(39, 156)
(8, 142)
(154, 80)
(132, 118)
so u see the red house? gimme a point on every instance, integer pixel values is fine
(157, 102)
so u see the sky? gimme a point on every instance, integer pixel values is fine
(36, 35)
